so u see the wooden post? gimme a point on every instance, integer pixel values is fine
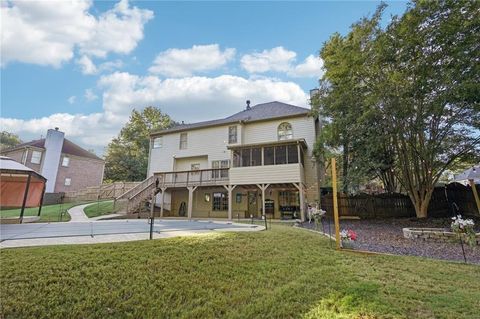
(162, 202)
(301, 195)
(263, 188)
(335, 203)
(475, 193)
(152, 218)
(41, 199)
(191, 189)
(25, 196)
(230, 189)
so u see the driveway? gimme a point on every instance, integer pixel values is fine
(17, 235)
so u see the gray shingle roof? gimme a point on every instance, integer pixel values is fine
(259, 112)
(68, 148)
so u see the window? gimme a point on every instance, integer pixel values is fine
(68, 181)
(280, 155)
(292, 153)
(220, 164)
(195, 167)
(65, 161)
(285, 131)
(268, 156)
(36, 157)
(183, 141)
(232, 134)
(158, 142)
(220, 202)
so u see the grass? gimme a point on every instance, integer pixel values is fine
(98, 209)
(280, 273)
(49, 213)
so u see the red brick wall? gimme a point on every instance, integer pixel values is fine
(83, 172)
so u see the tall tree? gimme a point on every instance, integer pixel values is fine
(413, 108)
(8, 140)
(127, 155)
(341, 99)
(428, 92)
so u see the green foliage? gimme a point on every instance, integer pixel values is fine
(270, 274)
(127, 155)
(413, 110)
(8, 140)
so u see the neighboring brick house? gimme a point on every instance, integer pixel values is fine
(67, 166)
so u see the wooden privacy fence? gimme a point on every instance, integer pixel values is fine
(370, 206)
(104, 191)
(400, 205)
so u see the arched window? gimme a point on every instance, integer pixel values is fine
(285, 131)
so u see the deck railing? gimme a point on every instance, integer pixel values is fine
(201, 177)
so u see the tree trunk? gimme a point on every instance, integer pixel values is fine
(421, 202)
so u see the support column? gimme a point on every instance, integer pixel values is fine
(263, 188)
(25, 196)
(230, 189)
(191, 189)
(301, 194)
(162, 201)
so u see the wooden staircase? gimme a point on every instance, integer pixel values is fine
(134, 200)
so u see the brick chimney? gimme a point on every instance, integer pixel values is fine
(51, 160)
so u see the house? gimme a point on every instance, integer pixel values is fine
(65, 165)
(257, 160)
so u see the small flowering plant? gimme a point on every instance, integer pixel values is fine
(348, 235)
(464, 229)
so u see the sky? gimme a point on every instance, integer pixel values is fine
(83, 66)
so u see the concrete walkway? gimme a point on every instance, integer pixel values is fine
(77, 214)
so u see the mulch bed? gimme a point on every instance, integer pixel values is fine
(386, 236)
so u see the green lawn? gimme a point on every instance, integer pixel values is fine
(280, 273)
(99, 208)
(50, 213)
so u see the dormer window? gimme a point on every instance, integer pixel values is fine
(285, 131)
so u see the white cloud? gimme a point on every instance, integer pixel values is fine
(311, 67)
(90, 96)
(117, 30)
(185, 62)
(281, 60)
(72, 99)
(89, 68)
(276, 59)
(190, 99)
(48, 32)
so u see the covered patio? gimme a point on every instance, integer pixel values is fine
(20, 187)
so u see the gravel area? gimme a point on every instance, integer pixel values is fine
(386, 236)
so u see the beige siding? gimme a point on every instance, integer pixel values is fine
(210, 144)
(185, 164)
(287, 173)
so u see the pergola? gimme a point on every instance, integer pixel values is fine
(20, 186)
